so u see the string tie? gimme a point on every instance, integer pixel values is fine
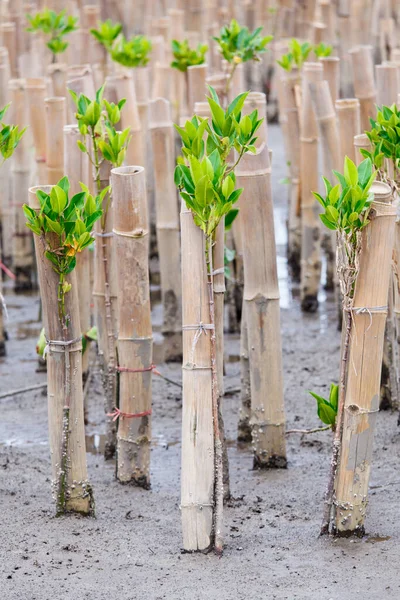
(152, 368)
(116, 414)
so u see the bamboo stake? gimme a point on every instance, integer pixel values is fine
(9, 36)
(167, 226)
(58, 75)
(311, 228)
(387, 83)
(55, 119)
(364, 366)
(7, 212)
(72, 489)
(331, 73)
(349, 123)
(261, 297)
(196, 84)
(198, 470)
(135, 342)
(76, 168)
(364, 84)
(23, 262)
(361, 141)
(36, 92)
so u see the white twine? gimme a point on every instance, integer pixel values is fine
(103, 235)
(200, 329)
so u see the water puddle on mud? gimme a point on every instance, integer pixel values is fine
(373, 539)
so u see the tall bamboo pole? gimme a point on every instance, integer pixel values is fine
(36, 92)
(135, 342)
(310, 222)
(364, 365)
(349, 124)
(261, 298)
(197, 479)
(55, 120)
(7, 212)
(331, 73)
(23, 262)
(387, 83)
(167, 226)
(364, 83)
(72, 489)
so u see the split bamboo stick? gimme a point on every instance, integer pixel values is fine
(167, 226)
(64, 384)
(261, 298)
(310, 222)
(364, 365)
(55, 119)
(364, 83)
(135, 342)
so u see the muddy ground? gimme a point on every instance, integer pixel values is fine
(132, 549)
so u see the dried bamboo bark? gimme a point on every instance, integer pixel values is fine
(198, 470)
(387, 83)
(364, 364)
(349, 123)
(364, 84)
(76, 168)
(135, 341)
(64, 385)
(167, 226)
(310, 222)
(23, 261)
(55, 119)
(261, 297)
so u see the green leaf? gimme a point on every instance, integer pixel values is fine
(58, 199)
(327, 223)
(334, 396)
(230, 217)
(350, 172)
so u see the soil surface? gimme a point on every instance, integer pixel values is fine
(132, 549)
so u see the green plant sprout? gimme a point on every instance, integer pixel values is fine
(327, 409)
(297, 55)
(322, 50)
(346, 210)
(10, 136)
(106, 33)
(238, 45)
(207, 184)
(185, 57)
(385, 141)
(71, 220)
(54, 25)
(131, 53)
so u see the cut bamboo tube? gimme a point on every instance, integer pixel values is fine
(135, 342)
(361, 141)
(167, 226)
(23, 261)
(387, 83)
(55, 119)
(64, 384)
(197, 478)
(76, 168)
(58, 75)
(105, 294)
(162, 82)
(36, 92)
(196, 78)
(7, 210)
(80, 79)
(349, 123)
(261, 297)
(310, 222)
(364, 84)
(331, 73)
(9, 40)
(364, 364)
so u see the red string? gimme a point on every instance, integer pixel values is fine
(127, 370)
(118, 413)
(7, 271)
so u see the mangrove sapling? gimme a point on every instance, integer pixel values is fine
(106, 148)
(326, 410)
(346, 210)
(239, 45)
(55, 27)
(207, 186)
(62, 226)
(131, 53)
(106, 33)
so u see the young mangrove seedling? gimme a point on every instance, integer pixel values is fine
(345, 210)
(238, 45)
(384, 136)
(185, 57)
(55, 26)
(297, 55)
(207, 184)
(322, 50)
(131, 53)
(106, 33)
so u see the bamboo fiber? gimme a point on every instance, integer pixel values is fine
(64, 384)
(364, 84)
(135, 342)
(22, 249)
(55, 119)
(349, 124)
(364, 365)
(76, 168)
(197, 478)
(387, 83)
(167, 226)
(261, 298)
(310, 222)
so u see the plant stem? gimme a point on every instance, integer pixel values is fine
(307, 431)
(218, 480)
(228, 84)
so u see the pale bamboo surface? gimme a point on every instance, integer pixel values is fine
(196, 79)
(349, 124)
(167, 226)
(361, 141)
(36, 92)
(197, 479)
(364, 365)
(387, 83)
(55, 119)
(64, 369)
(135, 340)
(364, 83)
